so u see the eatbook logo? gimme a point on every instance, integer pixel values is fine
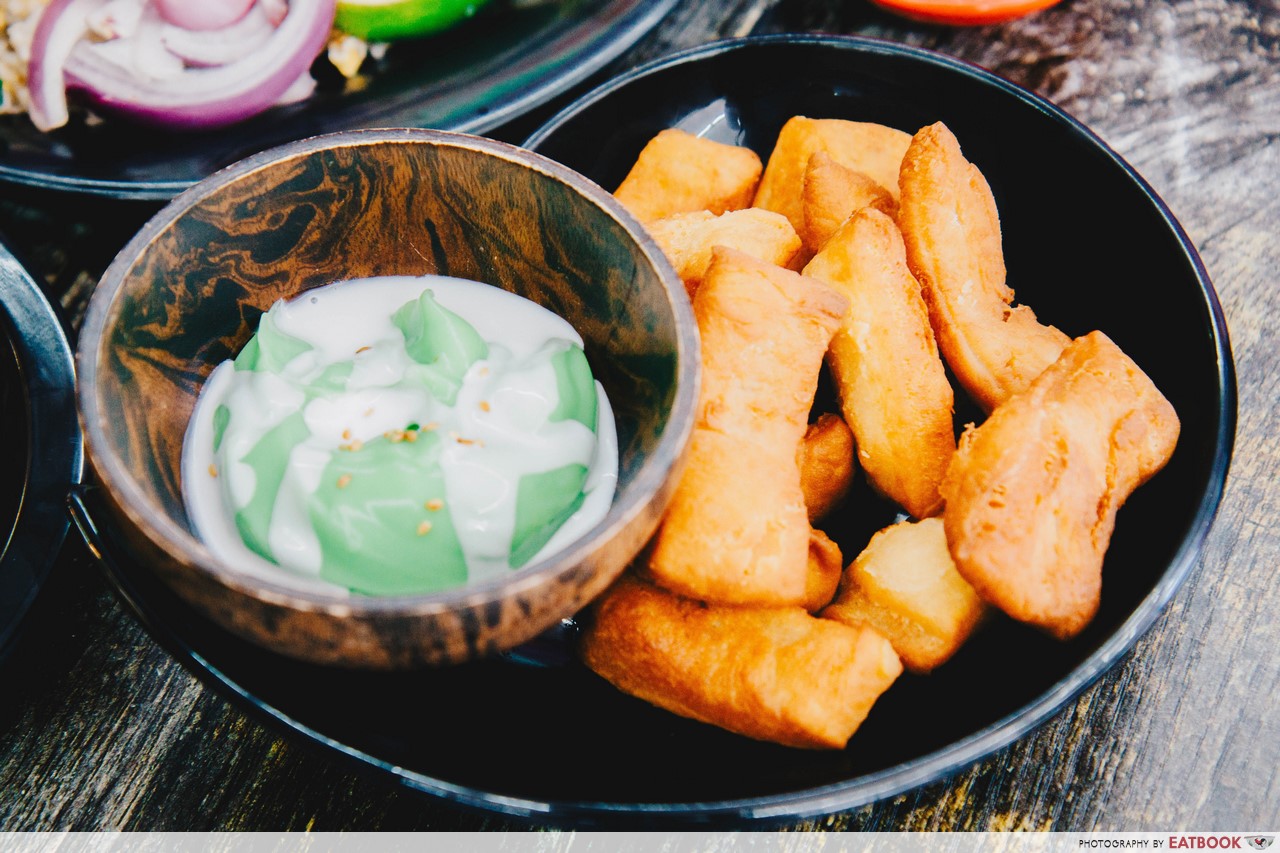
(1261, 842)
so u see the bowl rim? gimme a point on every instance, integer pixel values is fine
(182, 545)
(941, 763)
(34, 333)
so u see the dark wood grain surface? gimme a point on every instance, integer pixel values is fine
(101, 729)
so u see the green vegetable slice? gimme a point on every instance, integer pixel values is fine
(388, 20)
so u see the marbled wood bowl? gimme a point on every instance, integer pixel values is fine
(187, 291)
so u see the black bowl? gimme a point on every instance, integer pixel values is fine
(1089, 246)
(41, 444)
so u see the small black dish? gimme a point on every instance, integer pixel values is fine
(507, 60)
(1089, 245)
(40, 447)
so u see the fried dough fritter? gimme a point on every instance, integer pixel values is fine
(827, 463)
(771, 673)
(1032, 493)
(951, 228)
(905, 585)
(737, 529)
(677, 172)
(826, 565)
(686, 239)
(892, 386)
(831, 194)
(875, 150)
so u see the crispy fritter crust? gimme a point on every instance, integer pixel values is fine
(826, 566)
(905, 585)
(893, 388)
(872, 149)
(677, 172)
(831, 194)
(686, 239)
(737, 529)
(952, 232)
(826, 463)
(770, 673)
(1032, 493)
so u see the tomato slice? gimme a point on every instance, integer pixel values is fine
(388, 20)
(964, 12)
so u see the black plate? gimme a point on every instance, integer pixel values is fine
(488, 71)
(39, 439)
(1089, 246)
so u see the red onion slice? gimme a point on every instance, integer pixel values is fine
(220, 47)
(62, 25)
(142, 54)
(209, 97)
(275, 9)
(116, 18)
(202, 15)
(299, 90)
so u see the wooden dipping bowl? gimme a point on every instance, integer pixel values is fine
(186, 293)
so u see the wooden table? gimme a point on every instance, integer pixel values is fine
(101, 729)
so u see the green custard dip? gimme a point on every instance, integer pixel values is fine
(400, 435)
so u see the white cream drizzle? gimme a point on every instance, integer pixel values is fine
(501, 401)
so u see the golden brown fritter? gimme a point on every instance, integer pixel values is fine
(827, 466)
(893, 388)
(826, 565)
(831, 194)
(905, 585)
(737, 529)
(771, 673)
(872, 149)
(677, 172)
(1032, 493)
(686, 239)
(952, 232)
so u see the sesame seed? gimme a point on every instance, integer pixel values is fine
(484, 405)
(411, 435)
(346, 435)
(368, 411)
(363, 349)
(344, 481)
(213, 470)
(435, 504)
(424, 528)
(431, 427)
